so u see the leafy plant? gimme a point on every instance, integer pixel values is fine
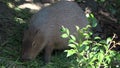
(90, 52)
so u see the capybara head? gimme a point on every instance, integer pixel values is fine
(30, 49)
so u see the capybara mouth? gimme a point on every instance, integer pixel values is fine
(25, 59)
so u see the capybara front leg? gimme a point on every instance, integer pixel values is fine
(48, 52)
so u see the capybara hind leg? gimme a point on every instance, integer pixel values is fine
(48, 52)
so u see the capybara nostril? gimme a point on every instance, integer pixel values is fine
(24, 58)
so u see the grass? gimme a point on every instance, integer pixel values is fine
(10, 48)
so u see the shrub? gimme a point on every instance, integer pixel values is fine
(90, 52)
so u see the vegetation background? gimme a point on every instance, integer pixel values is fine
(14, 18)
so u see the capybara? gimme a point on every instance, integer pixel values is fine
(44, 29)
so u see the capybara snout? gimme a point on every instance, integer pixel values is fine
(30, 43)
(44, 29)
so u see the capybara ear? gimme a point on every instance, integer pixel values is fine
(44, 30)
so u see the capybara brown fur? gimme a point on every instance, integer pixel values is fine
(44, 29)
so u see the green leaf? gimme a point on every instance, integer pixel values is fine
(91, 66)
(73, 37)
(95, 48)
(86, 34)
(71, 41)
(98, 44)
(94, 23)
(91, 54)
(90, 33)
(91, 15)
(112, 53)
(72, 45)
(100, 57)
(97, 38)
(70, 52)
(87, 47)
(102, 42)
(67, 31)
(108, 40)
(88, 26)
(87, 42)
(92, 59)
(82, 48)
(108, 59)
(63, 29)
(106, 48)
(77, 27)
(93, 20)
(64, 35)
